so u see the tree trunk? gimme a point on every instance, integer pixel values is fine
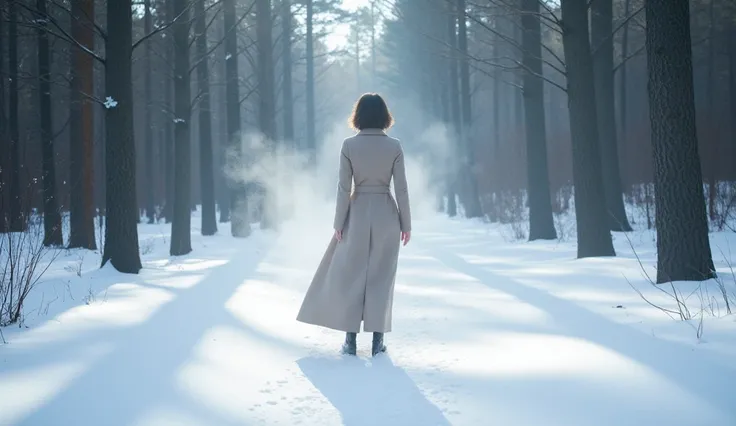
(148, 121)
(81, 130)
(169, 122)
(601, 30)
(456, 176)
(181, 243)
(732, 81)
(121, 231)
(287, 91)
(52, 235)
(541, 223)
(473, 208)
(683, 249)
(450, 174)
(311, 117)
(238, 197)
(623, 88)
(593, 234)
(373, 43)
(711, 155)
(496, 120)
(221, 135)
(18, 221)
(206, 165)
(266, 108)
(443, 65)
(4, 145)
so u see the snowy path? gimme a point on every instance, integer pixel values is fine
(486, 333)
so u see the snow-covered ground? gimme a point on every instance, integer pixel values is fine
(487, 332)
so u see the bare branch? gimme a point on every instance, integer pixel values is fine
(221, 40)
(637, 52)
(91, 19)
(163, 27)
(63, 34)
(615, 30)
(516, 44)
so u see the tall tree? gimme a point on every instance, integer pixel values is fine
(683, 249)
(496, 119)
(541, 224)
(148, 126)
(81, 129)
(240, 226)
(623, 82)
(206, 162)
(168, 147)
(454, 94)
(732, 80)
(593, 234)
(601, 37)
(181, 239)
(17, 217)
(287, 91)
(311, 116)
(712, 169)
(4, 145)
(266, 98)
(446, 68)
(52, 235)
(121, 230)
(473, 208)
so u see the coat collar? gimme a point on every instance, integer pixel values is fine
(372, 132)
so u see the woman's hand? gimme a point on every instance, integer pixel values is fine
(338, 235)
(405, 237)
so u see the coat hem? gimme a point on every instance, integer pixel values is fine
(346, 329)
(331, 327)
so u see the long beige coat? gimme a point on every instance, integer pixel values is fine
(355, 280)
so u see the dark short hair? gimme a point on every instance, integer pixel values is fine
(371, 112)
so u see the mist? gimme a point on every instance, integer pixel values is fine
(302, 197)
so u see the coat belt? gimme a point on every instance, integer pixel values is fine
(372, 189)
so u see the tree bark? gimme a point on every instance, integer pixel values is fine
(311, 116)
(17, 221)
(683, 248)
(451, 173)
(593, 234)
(121, 230)
(206, 164)
(169, 122)
(602, 39)
(473, 207)
(240, 226)
(81, 130)
(4, 142)
(4, 145)
(541, 223)
(732, 81)
(52, 235)
(266, 107)
(148, 123)
(221, 136)
(623, 81)
(287, 90)
(181, 243)
(711, 155)
(454, 93)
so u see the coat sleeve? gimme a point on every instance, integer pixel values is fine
(402, 192)
(344, 185)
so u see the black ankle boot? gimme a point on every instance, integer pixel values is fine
(349, 347)
(378, 346)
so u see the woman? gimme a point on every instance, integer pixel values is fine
(354, 283)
